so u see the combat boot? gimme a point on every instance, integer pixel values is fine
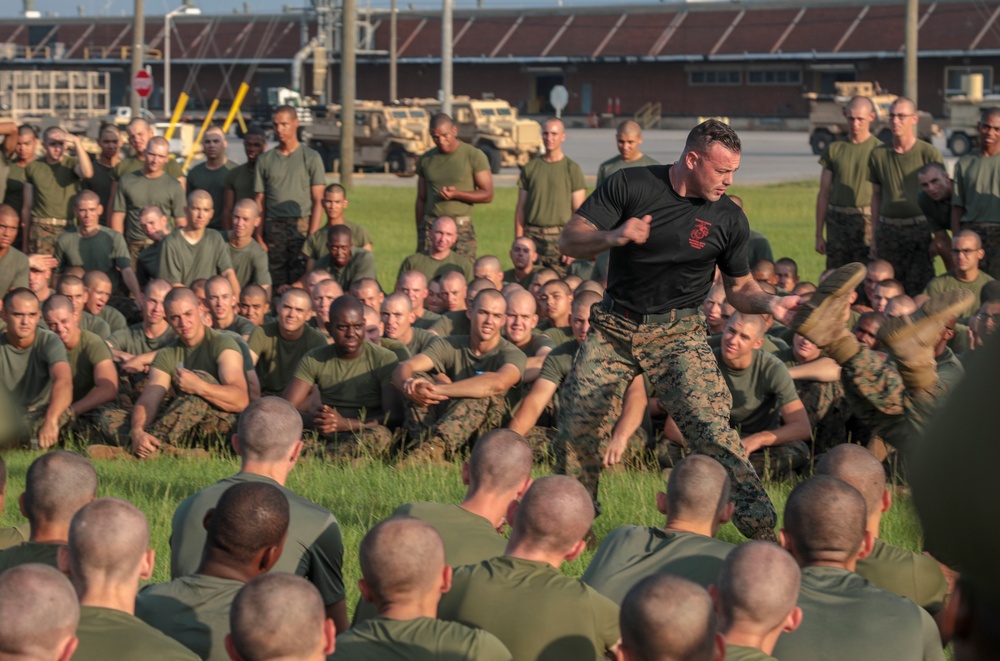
(911, 338)
(823, 320)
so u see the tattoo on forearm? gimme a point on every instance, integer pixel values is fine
(756, 302)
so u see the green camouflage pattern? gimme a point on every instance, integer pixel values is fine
(828, 412)
(907, 248)
(454, 425)
(42, 237)
(371, 442)
(848, 237)
(547, 244)
(284, 238)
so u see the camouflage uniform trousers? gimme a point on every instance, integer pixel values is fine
(990, 234)
(284, 238)
(541, 440)
(905, 243)
(465, 245)
(136, 247)
(848, 235)
(453, 425)
(371, 442)
(181, 421)
(34, 420)
(777, 462)
(684, 375)
(828, 412)
(42, 235)
(547, 244)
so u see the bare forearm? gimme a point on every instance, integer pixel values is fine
(633, 410)
(822, 202)
(232, 399)
(824, 370)
(102, 393)
(582, 240)
(131, 282)
(527, 414)
(476, 387)
(478, 196)
(749, 298)
(60, 400)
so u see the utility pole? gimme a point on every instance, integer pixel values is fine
(446, 42)
(393, 91)
(910, 54)
(348, 90)
(138, 40)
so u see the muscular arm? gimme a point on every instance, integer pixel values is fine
(259, 232)
(60, 399)
(407, 368)
(145, 410)
(483, 385)
(9, 132)
(230, 275)
(316, 217)
(582, 240)
(421, 201)
(876, 205)
(105, 388)
(577, 198)
(534, 365)
(824, 370)
(231, 393)
(795, 427)
(532, 405)
(822, 202)
(744, 294)
(522, 201)
(84, 168)
(118, 221)
(483, 192)
(633, 410)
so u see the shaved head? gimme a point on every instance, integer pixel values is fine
(199, 195)
(107, 541)
(585, 300)
(250, 517)
(39, 612)
(95, 277)
(858, 467)
(520, 297)
(268, 429)
(277, 616)
(178, 294)
(401, 558)
(488, 294)
(57, 302)
(58, 484)
(758, 587)
(629, 126)
(667, 618)
(698, 489)
(555, 514)
(825, 520)
(500, 462)
(344, 304)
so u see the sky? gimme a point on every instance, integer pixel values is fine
(13, 8)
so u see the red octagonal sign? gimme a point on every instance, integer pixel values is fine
(143, 83)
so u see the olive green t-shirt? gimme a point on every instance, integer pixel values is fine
(193, 610)
(401, 350)
(432, 268)
(14, 195)
(948, 282)
(212, 182)
(184, 262)
(361, 265)
(612, 165)
(427, 320)
(13, 270)
(132, 164)
(14, 535)
(539, 613)
(133, 340)
(316, 244)
(468, 538)
(510, 277)
(105, 251)
(759, 391)
(240, 180)
(53, 187)
(241, 326)
(455, 358)
(88, 353)
(912, 575)
(977, 188)
(452, 322)
(631, 553)
(559, 334)
(25, 372)
(849, 164)
(204, 356)
(287, 181)
(559, 362)
(250, 263)
(740, 653)
(537, 341)
(277, 357)
(420, 639)
(456, 169)
(421, 340)
(897, 175)
(28, 552)
(113, 318)
(314, 548)
(937, 212)
(550, 188)
(107, 634)
(136, 191)
(96, 325)
(349, 385)
(101, 182)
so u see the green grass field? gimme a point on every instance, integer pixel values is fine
(362, 495)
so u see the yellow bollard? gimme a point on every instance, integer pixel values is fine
(240, 94)
(201, 134)
(243, 124)
(176, 117)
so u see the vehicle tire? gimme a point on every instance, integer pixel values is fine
(493, 156)
(400, 163)
(959, 144)
(885, 135)
(819, 141)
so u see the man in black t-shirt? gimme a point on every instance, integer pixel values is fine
(668, 227)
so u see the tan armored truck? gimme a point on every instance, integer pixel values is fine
(386, 138)
(963, 111)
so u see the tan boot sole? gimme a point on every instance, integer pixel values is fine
(948, 310)
(854, 275)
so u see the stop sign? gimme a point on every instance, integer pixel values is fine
(143, 83)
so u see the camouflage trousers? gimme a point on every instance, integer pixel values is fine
(828, 412)
(547, 244)
(990, 234)
(904, 243)
(284, 238)
(541, 440)
(42, 235)
(466, 243)
(777, 462)
(848, 236)
(136, 247)
(685, 377)
(881, 402)
(453, 425)
(373, 442)
(34, 420)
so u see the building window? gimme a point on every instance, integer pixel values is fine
(775, 77)
(953, 79)
(715, 77)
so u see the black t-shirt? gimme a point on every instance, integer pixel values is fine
(688, 237)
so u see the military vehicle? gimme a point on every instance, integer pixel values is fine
(963, 111)
(493, 126)
(826, 115)
(386, 137)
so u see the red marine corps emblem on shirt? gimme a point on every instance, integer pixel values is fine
(699, 232)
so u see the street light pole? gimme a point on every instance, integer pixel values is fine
(138, 39)
(446, 44)
(184, 9)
